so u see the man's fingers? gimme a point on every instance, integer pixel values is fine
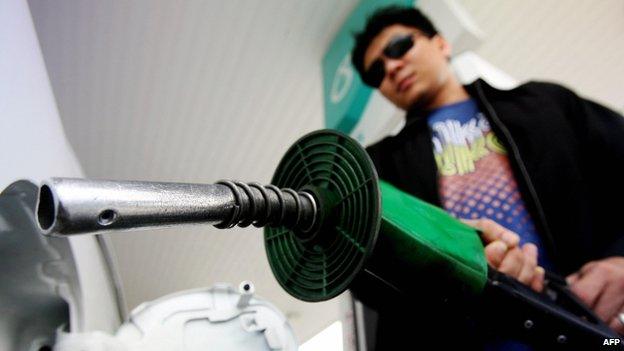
(610, 302)
(530, 262)
(617, 325)
(537, 283)
(510, 238)
(572, 278)
(495, 253)
(587, 267)
(588, 287)
(600, 285)
(512, 263)
(502, 253)
(610, 274)
(492, 231)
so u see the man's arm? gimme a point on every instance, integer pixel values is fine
(600, 283)
(601, 136)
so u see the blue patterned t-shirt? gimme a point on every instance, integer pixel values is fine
(476, 181)
(474, 174)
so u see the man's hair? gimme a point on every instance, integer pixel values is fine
(383, 18)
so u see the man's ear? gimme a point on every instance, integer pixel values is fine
(443, 45)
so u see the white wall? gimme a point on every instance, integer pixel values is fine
(33, 146)
(32, 142)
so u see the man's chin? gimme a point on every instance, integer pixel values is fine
(418, 101)
(414, 98)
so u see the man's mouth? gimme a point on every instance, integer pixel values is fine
(405, 83)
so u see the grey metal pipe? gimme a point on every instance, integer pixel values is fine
(68, 206)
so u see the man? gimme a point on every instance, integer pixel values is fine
(536, 168)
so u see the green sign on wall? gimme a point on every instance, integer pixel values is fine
(344, 93)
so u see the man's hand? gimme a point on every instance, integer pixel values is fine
(600, 284)
(503, 252)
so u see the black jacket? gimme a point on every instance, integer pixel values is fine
(567, 155)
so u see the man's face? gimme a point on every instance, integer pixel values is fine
(414, 78)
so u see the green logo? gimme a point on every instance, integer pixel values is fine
(345, 95)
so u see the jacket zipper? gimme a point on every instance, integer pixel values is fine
(522, 167)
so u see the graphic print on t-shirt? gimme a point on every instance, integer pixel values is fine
(475, 177)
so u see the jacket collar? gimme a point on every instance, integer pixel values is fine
(417, 116)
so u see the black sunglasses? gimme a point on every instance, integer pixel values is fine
(396, 48)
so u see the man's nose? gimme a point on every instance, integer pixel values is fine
(393, 66)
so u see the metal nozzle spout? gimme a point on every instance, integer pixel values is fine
(68, 206)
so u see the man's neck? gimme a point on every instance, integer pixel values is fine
(450, 93)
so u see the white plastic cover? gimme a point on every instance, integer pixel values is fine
(216, 318)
